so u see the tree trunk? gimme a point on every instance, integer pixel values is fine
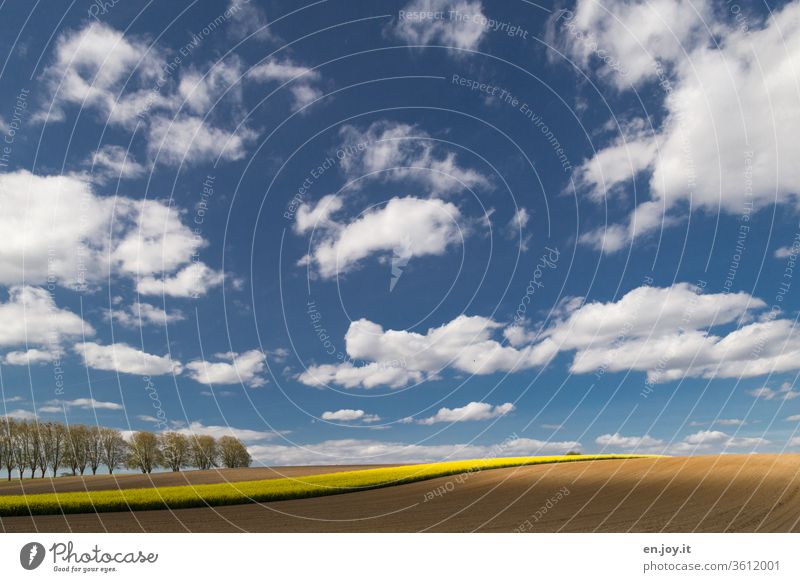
(94, 470)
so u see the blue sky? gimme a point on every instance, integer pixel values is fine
(411, 230)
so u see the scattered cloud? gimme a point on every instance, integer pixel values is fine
(125, 359)
(301, 79)
(113, 162)
(246, 368)
(56, 406)
(785, 392)
(193, 280)
(418, 227)
(245, 434)
(700, 442)
(370, 451)
(188, 139)
(469, 412)
(142, 314)
(348, 415)
(399, 357)
(398, 151)
(705, 84)
(31, 317)
(458, 23)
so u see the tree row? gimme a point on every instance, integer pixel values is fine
(49, 446)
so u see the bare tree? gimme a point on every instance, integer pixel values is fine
(174, 450)
(233, 453)
(114, 448)
(94, 448)
(76, 456)
(7, 458)
(144, 453)
(54, 437)
(35, 449)
(21, 442)
(204, 451)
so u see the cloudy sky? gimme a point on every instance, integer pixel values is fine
(405, 231)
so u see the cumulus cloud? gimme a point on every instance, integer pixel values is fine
(58, 230)
(114, 162)
(704, 441)
(370, 451)
(471, 411)
(349, 415)
(411, 226)
(31, 317)
(56, 406)
(398, 151)
(29, 357)
(189, 139)
(398, 357)
(459, 24)
(301, 79)
(729, 124)
(248, 20)
(128, 81)
(193, 280)
(785, 392)
(246, 435)
(91, 65)
(141, 314)
(669, 333)
(125, 359)
(245, 368)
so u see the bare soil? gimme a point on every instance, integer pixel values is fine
(736, 493)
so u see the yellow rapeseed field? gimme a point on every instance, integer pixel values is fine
(258, 491)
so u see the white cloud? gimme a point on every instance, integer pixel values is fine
(301, 79)
(92, 65)
(369, 451)
(519, 221)
(187, 139)
(129, 83)
(245, 368)
(115, 162)
(29, 357)
(398, 151)
(471, 411)
(245, 434)
(56, 406)
(31, 317)
(248, 20)
(348, 414)
(199, 91)
(785, 392)
(793, 418)
(120, 357)
(721, 422)
(142, 314)
(731, 120)
(411, 226)
(665, 332)
(786, 252)
(192, 281)
(20, 414)
(398, 357)
(462, 29)
(621, 40)
(56, 229)
(703, 441)
(319, 216)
